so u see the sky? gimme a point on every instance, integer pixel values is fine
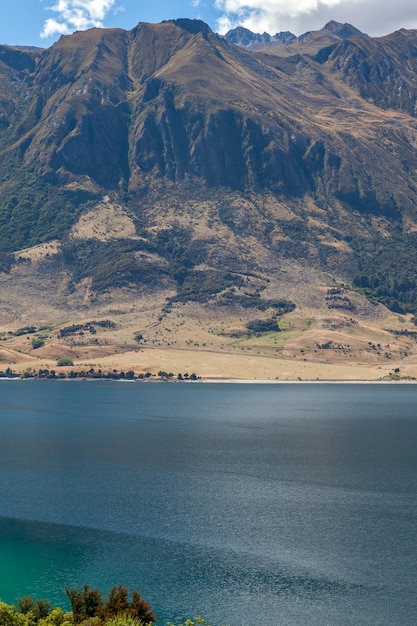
(41, 22)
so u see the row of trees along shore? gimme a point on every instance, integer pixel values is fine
(96, 374)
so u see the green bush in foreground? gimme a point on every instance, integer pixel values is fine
(91, 609)
(33, 613)
(10, 617)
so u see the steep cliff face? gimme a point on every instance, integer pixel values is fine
(177, 123)
(15, 65)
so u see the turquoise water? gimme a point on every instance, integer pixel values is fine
(250, 504)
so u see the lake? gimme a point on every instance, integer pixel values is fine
(250, 504)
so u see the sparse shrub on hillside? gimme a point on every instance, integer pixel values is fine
(64, 360)
(90, 327)
(263, 326)
(37, 342)
(26, 330)
(200, 286)
(255, 301)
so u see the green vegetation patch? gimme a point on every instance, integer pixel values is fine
(180, 251)
(200, 285)
(110, 264)
(37, 342)
(64, 361)
(263, 326)
(89, 608)
(6, 261)
(116, 264)
(387, 271)
(255, 301)
(90, 327)
(33, 210)
(25, 330)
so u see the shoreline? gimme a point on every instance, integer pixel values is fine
(211, 381)
(209, 367)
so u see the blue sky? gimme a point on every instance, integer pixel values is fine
(41, 22)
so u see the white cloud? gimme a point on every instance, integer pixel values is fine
(299, 16)
(52, 27)
(264, 15)
(76, 15)
(280, 7)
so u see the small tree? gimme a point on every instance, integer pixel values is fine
(64, 360)
(37, 342)
(88, 604)
(118, 601)
(57, 617)
(263, 326)
(141, 609)
(85, 603)
(38, 609)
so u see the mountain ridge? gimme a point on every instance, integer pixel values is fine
(332, 30)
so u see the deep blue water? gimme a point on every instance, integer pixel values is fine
(288, 504)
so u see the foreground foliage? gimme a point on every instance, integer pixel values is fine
(29, 612)
(89, 608)
(89, 603)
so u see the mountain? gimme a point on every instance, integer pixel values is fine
(331, 32)
(226, 171)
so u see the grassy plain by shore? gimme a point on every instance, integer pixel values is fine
(149, 332)
(304, 349)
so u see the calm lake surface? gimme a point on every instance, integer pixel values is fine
(251, 504)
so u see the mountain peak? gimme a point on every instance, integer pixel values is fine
(244, 37)
(192, 26)
(332, 30)
(341, 30)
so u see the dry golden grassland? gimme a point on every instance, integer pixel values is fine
(214, 344)
(332, 334)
